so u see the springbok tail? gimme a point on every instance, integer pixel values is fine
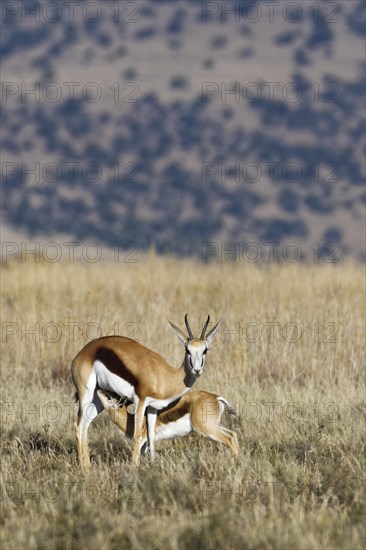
(229, 409)
(232, 413)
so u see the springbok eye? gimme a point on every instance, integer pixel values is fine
(206, 350)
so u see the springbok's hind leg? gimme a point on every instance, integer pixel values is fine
(225, 436)
(151, 423)
(89, 407)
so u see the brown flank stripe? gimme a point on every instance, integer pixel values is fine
(115, 365)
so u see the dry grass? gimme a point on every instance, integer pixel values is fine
(299, 479)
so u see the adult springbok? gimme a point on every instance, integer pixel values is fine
(196, 411)
(125, 367)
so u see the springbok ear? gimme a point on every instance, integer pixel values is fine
(212, 333)
(179, 333)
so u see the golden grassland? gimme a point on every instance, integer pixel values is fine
(298, 388)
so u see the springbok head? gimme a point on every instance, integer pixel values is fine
(196, 348)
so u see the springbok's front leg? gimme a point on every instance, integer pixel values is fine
(139, 425)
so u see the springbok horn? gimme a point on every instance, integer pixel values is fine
(188, 327)
(205, 328)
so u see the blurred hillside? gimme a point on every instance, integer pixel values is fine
(132, 133)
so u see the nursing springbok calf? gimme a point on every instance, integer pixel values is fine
(196, 411)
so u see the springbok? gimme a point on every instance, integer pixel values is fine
(127, 368)
(197, 411)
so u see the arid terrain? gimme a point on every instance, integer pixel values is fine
(289, 357)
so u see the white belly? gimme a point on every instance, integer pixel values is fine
(180, 427)
(159, 404)
(106, 380)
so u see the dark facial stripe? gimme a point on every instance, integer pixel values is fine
(115, 364)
